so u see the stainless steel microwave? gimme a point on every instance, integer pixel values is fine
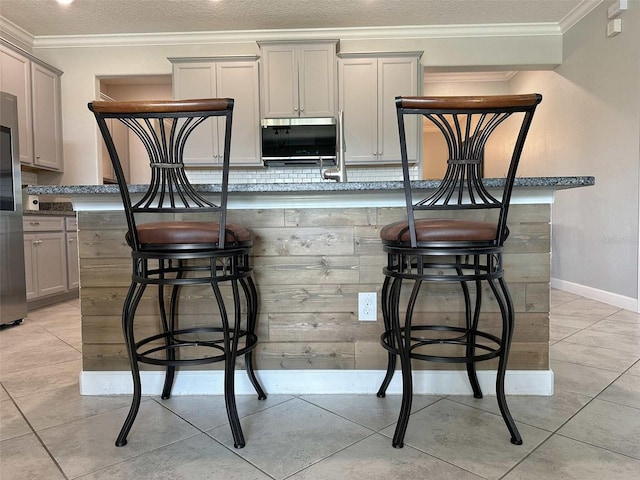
(299, 141)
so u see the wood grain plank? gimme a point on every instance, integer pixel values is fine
(315, 327)
(304, 355)
(306, 270)
(303, 241)
(340, 217)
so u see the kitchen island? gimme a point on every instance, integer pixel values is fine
(316, 247)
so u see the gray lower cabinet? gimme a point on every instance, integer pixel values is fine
(50, 261)
(73, 266)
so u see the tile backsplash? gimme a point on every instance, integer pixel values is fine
(297, 175)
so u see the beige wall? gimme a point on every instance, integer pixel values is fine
(589, 124)
(138, 171)
(434, 146)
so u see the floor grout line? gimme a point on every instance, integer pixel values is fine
(36, 435)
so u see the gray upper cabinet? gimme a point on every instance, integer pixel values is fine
(15, 78)
(298, 79)
(47, 118)
(37, 88)
(368, 85)
(221, 78)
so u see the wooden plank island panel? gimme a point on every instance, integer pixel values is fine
(309, 266)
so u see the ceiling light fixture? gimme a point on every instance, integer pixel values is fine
(65, 2)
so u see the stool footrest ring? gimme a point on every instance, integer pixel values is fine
(175, 343)
(465, 339)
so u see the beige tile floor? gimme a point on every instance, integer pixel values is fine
(590, 428)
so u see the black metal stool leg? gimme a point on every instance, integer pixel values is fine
(403, 342)
(128, 314)
(506, 309)
(471, 318)
(391, 357)
(169, 328)
(231, 348)
(251, 295)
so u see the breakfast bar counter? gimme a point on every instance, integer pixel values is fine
(316, 247)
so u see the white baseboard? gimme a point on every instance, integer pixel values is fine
(299, 382)
(614, 299)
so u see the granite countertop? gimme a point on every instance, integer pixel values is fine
(60, 209)
(553, 183)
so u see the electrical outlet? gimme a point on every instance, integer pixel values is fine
(367, 306)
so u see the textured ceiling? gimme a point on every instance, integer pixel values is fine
(87, 17)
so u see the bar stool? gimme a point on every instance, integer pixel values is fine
(179, 238)
(422, 250)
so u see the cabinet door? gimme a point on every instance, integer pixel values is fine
(73, 268)
(52, 263)
(279, 81)
(317, 79)
(239, 80)
(396, 76)
(47, 123)
(198, 80)
(357, 98)
(15, 78)
(30, 265)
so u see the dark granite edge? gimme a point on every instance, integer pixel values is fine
(554, 183)
(49, 213)
(61, 209)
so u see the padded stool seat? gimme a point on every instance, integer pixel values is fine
(181, 233)
(439, 230)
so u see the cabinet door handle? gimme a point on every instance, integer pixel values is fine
(71, 240)
(37, 242)
(34, 224)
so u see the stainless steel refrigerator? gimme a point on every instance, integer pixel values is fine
(13, 296)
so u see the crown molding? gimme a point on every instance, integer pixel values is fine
(190, 38)
(577, 14)
(15, 34)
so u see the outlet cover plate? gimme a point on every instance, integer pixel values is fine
(367, 306)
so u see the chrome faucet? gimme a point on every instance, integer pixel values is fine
(339, 172)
